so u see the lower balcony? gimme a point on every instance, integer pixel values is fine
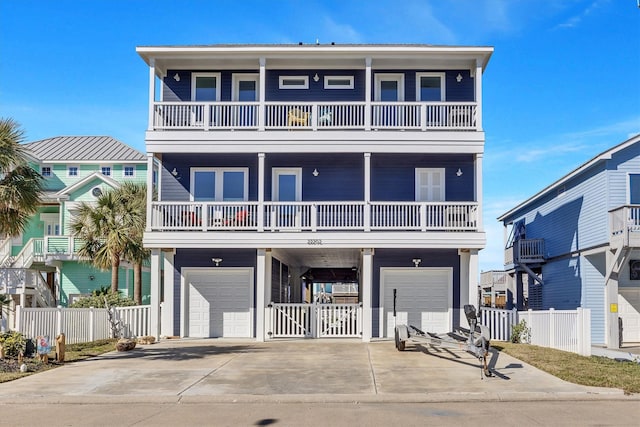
(524, 251)
(314, 216)
(624, 226)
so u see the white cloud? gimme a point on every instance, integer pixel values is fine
(342, 33)
(576, 20)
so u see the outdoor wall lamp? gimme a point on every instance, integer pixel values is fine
(92, 277)
(459, 173)
(459, 77)
(416, 262)
(217, 261)
(315, 172)
(177, 77)
(175, 173)
(316, 77)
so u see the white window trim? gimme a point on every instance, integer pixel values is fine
(69, 171)
(281, 84)
(193, 84)
(443, 87)
(327, 84)
(220, 182)
(50, 171)
(110, 170)
(236, 78)
(379, 77)
(442, 173)
(275, 190)
(124, 175)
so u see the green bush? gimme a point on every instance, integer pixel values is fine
(520, 333)
(14, 343)
(96, 300)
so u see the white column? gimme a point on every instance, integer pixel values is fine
(367, 94)
(478, 187)
(150, 189)
(154, 322)
(473, 277)
(167, 304)
(260, 212)
(367, 289)
(367, 191)
(611, 334)
(152, 92)
(464, 280)
(261, 94)
(263, 291)
(478, 75)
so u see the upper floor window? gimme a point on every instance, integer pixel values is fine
(634, 189)
(338, 82)
(430, 87)
(389, 87)
(73, 170)
(245, 87)
(129, 171)
(293, 82)
(205, 87)
(45, 171)
(105, 170)
(219, 184)
(430, 185)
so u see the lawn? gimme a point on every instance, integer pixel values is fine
(591, 371)
(10, 369)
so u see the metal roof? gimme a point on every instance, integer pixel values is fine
(83, 148)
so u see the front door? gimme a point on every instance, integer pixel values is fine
(245, 90)
(287, 187)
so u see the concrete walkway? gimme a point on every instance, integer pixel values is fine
(216, 370)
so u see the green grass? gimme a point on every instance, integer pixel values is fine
(73, 353)
(591, 371)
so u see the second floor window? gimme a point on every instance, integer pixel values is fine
(72, 171)
(205, 87)
(293, 82)
(129, 171)
(219, 184)
(46, 171)
(106, 170)
(430, 87)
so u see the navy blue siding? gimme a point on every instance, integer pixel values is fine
(402, 258)
(393, 175)
(455, 92)
(202, 258)
(316, 91)
(174, 91)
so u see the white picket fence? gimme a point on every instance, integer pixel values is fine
(81, 324)
(568, 330)
(313, 320)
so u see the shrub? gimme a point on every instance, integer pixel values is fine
(96, 300)
(14, 343)
(520, 333)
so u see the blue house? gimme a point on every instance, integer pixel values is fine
(313, 190)
(575, 243)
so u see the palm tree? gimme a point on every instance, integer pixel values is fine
(112, 230)
(21, 187)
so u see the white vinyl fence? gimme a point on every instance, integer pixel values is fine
(313, 320)
(81, 324)
(568, 330)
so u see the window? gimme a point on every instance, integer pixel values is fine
(219, 184)
(294, 82)
(287, 184)
(72, 170)
(51, 223)
(634, 189)
(430, 185)
(430, 87)
(129, 171)
(389, 87)
(45, 171)
(245, 87)
(105, 170)
(205, 87)
(338, 82)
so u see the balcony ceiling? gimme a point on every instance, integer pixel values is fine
(320, 257)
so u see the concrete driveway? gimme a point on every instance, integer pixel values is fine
(292, 371)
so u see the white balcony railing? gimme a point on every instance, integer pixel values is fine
(314, 216)
(315, 115)
(624, 226)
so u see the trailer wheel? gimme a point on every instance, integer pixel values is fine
(400, 341)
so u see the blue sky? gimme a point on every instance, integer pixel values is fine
(562, 86)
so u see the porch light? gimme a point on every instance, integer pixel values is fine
(316, 77)
(459, 77)
(459, 173)
(175, 173)
(217, 261)
(416, 262)
(177, 77)
(92, 277)
(315, 172)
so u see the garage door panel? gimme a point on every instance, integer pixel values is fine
(629, 311)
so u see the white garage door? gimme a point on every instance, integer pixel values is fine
(219, 302)
(424, 298)
(629, 311)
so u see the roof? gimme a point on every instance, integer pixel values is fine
(83, 148)
(606, 155)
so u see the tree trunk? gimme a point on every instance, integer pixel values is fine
(137, 283)
(115, 270)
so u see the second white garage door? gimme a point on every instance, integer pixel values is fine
(629, 311)
(424, 298)
(220, 302)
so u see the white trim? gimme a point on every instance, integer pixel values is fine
(441, 172)
(236, 78)
(381, 310)
(69, 167)
(219, 188)
(194, 76)
(380, 77)
(184, 295)
(327, 80)
(282, 85)
(275, 191)
(443, 87)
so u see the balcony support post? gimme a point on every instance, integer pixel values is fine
(261, 94)
(150, 190)
(167, 305)
(154, 321)
(367, 94)
(367, 284)
(367, 191)
(478, 87)
(260, 211)
(478, 189)
(152, 93)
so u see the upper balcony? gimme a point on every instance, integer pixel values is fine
(524, 252)
(624, 227)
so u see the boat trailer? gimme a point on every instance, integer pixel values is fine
(474, 340)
